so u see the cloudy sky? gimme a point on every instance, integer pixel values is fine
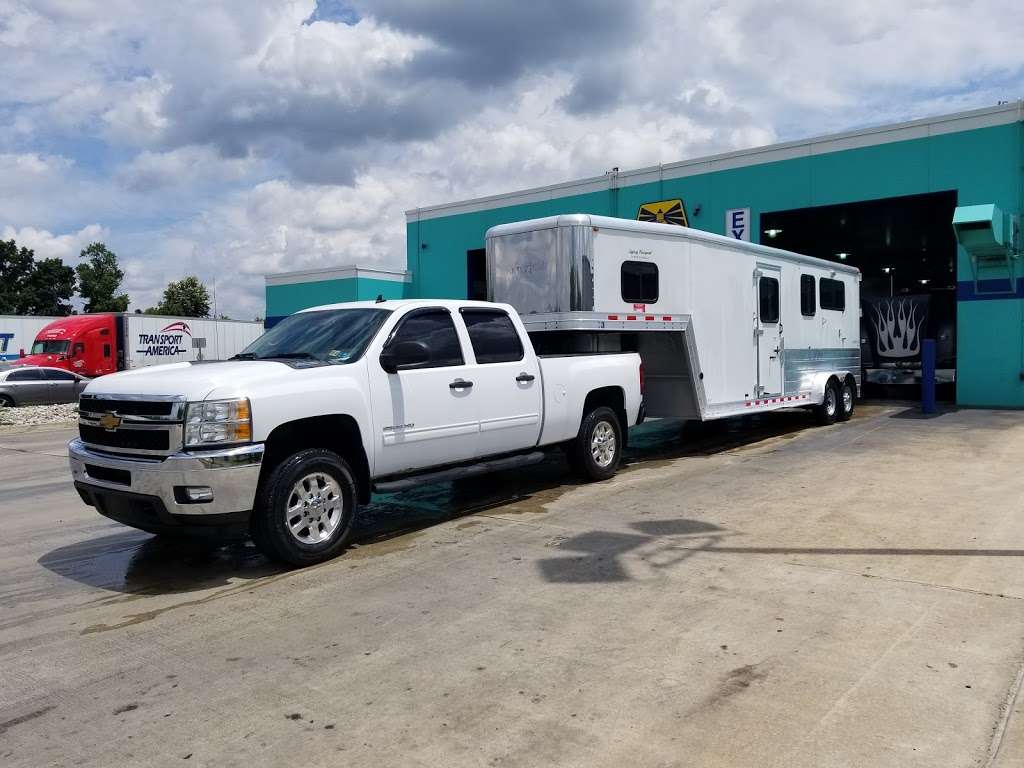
(231, 138)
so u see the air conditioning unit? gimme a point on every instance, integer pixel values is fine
(992, 240)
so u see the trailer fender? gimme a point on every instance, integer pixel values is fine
(818, 384)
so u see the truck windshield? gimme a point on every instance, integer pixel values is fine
(51, 347)
(334, 336)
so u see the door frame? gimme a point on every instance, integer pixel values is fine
(772, 271)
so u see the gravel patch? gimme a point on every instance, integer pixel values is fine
(31, 415)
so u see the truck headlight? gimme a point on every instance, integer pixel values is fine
(218, 422)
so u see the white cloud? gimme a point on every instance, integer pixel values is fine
(47, 245)
(229, 144)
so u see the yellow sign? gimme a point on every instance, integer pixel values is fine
(110, 421)
(664, 212)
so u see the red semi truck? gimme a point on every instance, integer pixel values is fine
(92, 345)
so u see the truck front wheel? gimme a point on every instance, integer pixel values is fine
(597, 450)
(305, 508)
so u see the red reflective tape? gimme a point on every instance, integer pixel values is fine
(613, 317)
(648, 317)
(667, 318)
(631, 317)
(748, 405)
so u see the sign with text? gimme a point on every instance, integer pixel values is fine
(737, 223)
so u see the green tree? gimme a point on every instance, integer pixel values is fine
(16, 265)
(49, 289)
(100, 279)
(187, 297)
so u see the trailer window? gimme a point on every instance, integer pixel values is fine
(434, 327)
(494, 337)
(639, 282)
(768, 300)
(808, 301)
(833, 294)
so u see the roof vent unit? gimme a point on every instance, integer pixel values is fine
(991, 238)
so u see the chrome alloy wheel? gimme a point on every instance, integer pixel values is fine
(602, 444)
(847, 399)
(315, 508)
(830, 400)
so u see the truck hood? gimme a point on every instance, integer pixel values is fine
(44, 360)
(194, 381)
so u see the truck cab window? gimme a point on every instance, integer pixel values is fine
(79, 348)
(639, 282)
(833, 294)
(493, 336)
(106, 350)
(434, 327)
(768, 299)
(808, 300)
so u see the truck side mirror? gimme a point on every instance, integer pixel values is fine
(404, 355)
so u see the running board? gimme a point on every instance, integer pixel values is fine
(460, 473)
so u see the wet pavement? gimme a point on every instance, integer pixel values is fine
(524, 619)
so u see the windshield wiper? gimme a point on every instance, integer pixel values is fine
(244, 356)
(290, 356)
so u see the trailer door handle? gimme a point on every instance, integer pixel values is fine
(524, 377)
(460, 384)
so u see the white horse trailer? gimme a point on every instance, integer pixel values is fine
(724, 327)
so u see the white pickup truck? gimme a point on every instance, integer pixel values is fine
(286, 439)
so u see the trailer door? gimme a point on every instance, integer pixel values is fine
(768, 331)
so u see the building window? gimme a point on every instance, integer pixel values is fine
(833, 294)
(808, 301)
(493, 336)
(639, 282)
(768, 300)
(434, 327)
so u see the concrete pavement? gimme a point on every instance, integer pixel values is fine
(761, 594)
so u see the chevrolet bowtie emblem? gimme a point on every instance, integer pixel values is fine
(110, 421)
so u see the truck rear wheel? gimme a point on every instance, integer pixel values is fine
(597, 450)
(305, 508)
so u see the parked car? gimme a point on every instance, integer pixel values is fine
(35, 385)
(334, 402)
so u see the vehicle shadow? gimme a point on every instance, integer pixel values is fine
(134, 562)
(596, 556)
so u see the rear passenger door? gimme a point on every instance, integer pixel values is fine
(62, 386)
(507, 382)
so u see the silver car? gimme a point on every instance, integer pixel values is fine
(32, 385)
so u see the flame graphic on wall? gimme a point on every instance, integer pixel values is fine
(898, 327)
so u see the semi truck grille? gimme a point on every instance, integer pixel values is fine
(127, 407)
(126, 439)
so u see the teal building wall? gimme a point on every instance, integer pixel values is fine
(983, 165)
(288, 298)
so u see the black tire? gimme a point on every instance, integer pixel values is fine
(270, 528)
(826, 412)
(582, 450)
(6, 401)
(847, 395)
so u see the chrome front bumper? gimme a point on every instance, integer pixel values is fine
(232, 475)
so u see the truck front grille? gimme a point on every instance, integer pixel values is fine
(126, 439)
(140, 425)
(102, 405)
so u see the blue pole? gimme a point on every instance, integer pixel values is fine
(928, 376)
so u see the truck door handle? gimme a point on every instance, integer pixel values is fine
(460, 384)
(525, 377)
